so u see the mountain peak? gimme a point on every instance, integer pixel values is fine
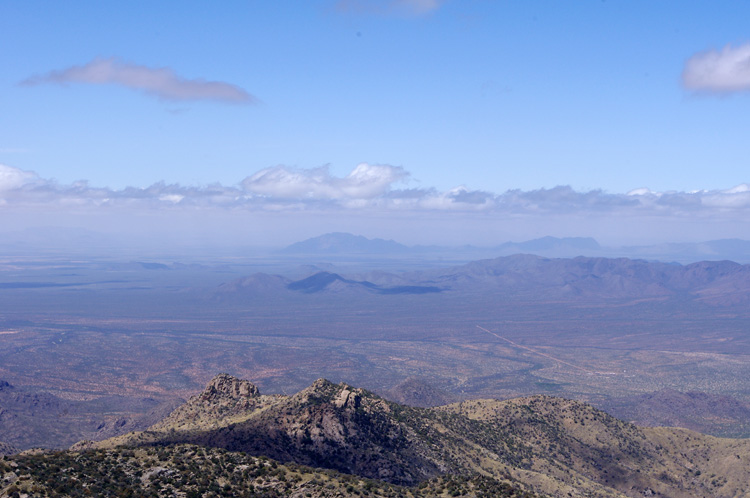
(322, 384)
(316, 282)
(341, 395)
(224, 397)
(225, 386)
(554, 445)
(323, 389)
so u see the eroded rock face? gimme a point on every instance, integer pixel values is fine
(224, 386)
(347, 398)
(224, 397)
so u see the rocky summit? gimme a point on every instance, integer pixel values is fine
(226, 387)
(540, 444)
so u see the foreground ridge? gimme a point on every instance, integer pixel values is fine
(193, 471)
(548, 445)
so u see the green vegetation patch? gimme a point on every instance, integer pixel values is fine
(197, 472)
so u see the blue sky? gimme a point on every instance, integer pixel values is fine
(464, 113)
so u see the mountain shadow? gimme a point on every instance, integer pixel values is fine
(324, 280)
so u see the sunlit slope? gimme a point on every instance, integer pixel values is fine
(553, 445)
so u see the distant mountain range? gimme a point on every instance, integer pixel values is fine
(345, 243)
(543, 444)
(527, 277)
(261, 284)
(340, 245)
(544, 244)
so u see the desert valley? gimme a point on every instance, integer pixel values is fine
(98, 349)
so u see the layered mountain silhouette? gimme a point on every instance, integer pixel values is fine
(550, 445)
(731, 249)
(339, 244)
(344, 243)
(320, 282)
(572, 246)
(528, 277)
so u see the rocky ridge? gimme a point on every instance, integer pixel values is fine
(223, 399)
(525, 277)
(193, 471)
(551, 445)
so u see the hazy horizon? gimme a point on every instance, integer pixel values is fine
(437, 122)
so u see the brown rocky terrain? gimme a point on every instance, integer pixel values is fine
(6, 449)
(40, 419)
(703, 412)
(193, 471)
(418, 392)
(550, 445)
(90, 368)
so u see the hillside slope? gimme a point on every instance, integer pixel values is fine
(554, 446)
(193, 471)
(7, 449)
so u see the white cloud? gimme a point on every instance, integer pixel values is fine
(173, 198)
(366, 181)
(14, 178)
(367, 189)
(160, 82)
(641, 191)
(734, 198)
(742, 188)
(724, 71)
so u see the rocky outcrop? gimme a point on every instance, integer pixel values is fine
(224, 387)
(225, 397)
(558, 447)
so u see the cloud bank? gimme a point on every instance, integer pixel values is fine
(159, 82)
(724, 71)
(14, 178)
(368, 188)
(365, 182)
